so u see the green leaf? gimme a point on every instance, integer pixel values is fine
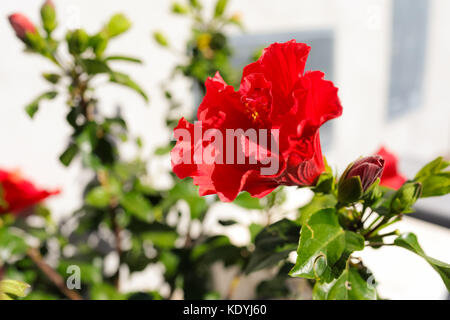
(117, 25)
(125, 80)
(98, 197)
(216, 248)
(33, 107)
(435, 181)
(436, 185)
(123, 58)
(12, 244)
(104, 291)
(409, 241)
(179, 9)
(227, 223)
(273, 244)
(161, 238)
(69, 154)
(351, 285)
(95, 66)
(170, 262)
(435, 166)
(220, 8)
(317, 203)
(254, 229)
(195, 4)
(353, 242)
(186, 191)
(245, 200)
(13, 287)
(321, 245)
(52, 77)
(4, 296)
(325, 183)
(160, 39)
(160, 151)
(137, 205)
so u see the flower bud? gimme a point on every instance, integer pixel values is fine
(22, 25)
(358, 177)
(48, 16)
(77, 41)
(405, 197)
(368, 169)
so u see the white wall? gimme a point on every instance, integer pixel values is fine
(362, 30)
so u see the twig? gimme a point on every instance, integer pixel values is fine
(378, 244)
(233, 285)
(117, 230)
(51, 274)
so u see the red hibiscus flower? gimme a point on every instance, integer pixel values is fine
(391, 177)
(21, 25)
(283, 104)
(18, 194)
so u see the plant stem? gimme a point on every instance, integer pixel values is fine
(376, 244)
(233, 285)
(51, 274)
(117, 231)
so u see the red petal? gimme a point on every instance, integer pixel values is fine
(316, 99)
(282, 64)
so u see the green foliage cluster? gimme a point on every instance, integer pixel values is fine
(343, 219)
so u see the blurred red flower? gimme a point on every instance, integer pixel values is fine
(21, 25)
(18, 194)
(275, 94)
(391, 177)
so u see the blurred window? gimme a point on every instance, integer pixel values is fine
(409, 39)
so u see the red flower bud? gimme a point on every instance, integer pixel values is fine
(18, 194)
(368, 169)
(49, 3)
(21, 25)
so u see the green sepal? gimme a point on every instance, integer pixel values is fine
(350, 190)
